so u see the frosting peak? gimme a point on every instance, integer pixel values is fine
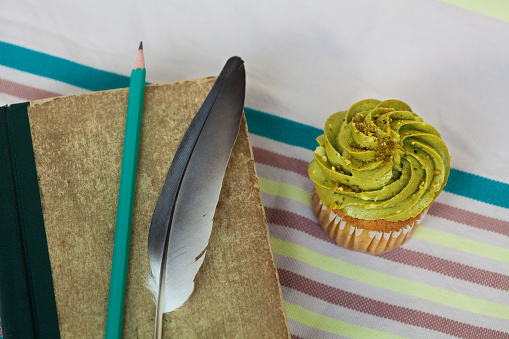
(379, 160)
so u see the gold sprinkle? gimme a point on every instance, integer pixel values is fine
(436, 172)
(334, 168)
(413, 142)
(335, 205)
(324, 158)
(340, 188)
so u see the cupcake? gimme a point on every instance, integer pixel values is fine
(377, 169)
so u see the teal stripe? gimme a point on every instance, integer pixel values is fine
(281, 129)
(293, 133)
(49, 66)
(259, 123)
(478, 188)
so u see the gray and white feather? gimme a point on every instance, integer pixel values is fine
(183, 216)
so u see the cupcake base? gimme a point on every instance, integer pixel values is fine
(348, 232)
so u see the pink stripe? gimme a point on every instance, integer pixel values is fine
(449, 268)
(297, 222)
(437, 209)
(384, 310)
(469, 218)
(23, 91)
(280, 161)
(400, 255)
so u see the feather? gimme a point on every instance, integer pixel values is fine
(182, 221)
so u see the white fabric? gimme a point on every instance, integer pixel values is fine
(304, 60)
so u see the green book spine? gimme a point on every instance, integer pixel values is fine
(27, 300)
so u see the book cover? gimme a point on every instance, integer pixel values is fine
(77, 150)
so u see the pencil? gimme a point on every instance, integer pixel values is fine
(119, 264)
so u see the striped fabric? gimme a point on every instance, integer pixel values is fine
(450, 280)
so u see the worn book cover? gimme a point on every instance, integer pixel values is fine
(74, 173)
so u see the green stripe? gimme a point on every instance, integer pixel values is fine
(498, 9)
(49, 66)
(290, 132)
(389, 282)
(462, 244)
(332, 325)
(285, 190)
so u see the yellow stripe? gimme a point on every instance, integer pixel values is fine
(389, 282)
(461, 244)
(332, 325)
(498, 9)
(282, 189)
(285, 190)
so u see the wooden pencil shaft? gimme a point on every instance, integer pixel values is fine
(125, 205)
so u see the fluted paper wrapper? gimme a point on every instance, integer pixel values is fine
(354, 238)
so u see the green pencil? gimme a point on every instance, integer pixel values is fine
(115, 317)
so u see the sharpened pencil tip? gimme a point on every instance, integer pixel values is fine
(139, 62)
(141, 45)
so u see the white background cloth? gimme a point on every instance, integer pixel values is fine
(304, 61)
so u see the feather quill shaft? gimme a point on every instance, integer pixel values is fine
(182, 221)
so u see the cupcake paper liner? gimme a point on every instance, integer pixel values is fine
(354, 238)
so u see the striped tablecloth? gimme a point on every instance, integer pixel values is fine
(304, 62)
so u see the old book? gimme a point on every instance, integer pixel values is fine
(77, 148)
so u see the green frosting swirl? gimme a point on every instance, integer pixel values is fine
(379, 160)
